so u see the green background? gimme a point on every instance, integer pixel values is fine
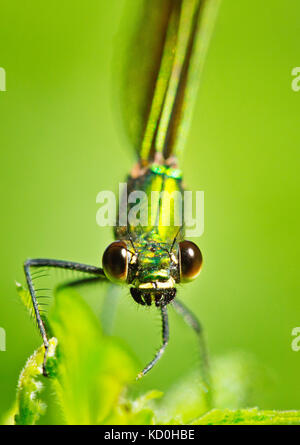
(62, 141)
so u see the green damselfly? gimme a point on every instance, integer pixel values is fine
(162, 79)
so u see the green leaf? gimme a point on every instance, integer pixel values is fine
(236, 380)
(135, 412)
(90, 373)
(9, 417)
(25, 296)
(93, 369)
(252, 416)
(183, 402)
(29, 405)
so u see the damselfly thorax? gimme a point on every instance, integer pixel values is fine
(152, 257)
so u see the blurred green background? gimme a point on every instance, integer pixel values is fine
(62, 141)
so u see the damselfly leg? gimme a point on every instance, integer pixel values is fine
(46, 262)
(165, 339)
(192, 321)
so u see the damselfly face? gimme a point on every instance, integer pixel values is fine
(152, 269)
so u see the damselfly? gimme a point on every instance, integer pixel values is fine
(162, 81)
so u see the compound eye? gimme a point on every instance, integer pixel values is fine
(115, 261)
(190, 259)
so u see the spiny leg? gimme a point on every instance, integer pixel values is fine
(80, 282)
(45, 262)
(194, 323)
(165, 339)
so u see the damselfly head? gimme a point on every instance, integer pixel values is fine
(152, 269)
(160, 297)
(154, 274)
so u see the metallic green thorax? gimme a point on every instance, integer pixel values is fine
(155, 244)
